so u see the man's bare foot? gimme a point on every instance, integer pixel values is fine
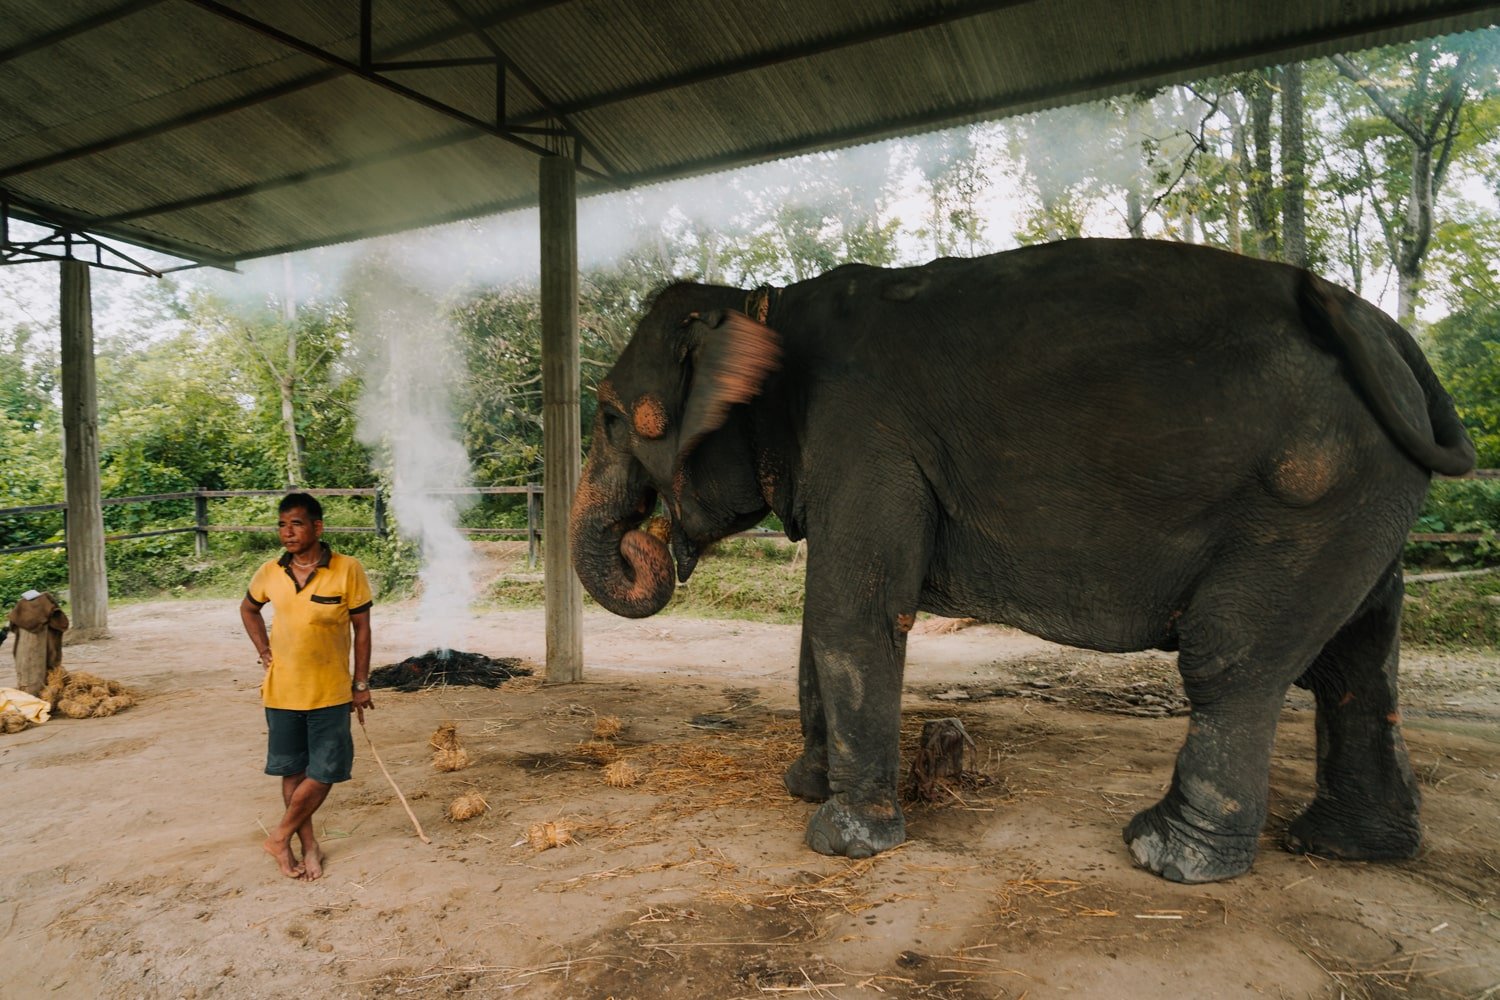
(281, 850)
(312, 864)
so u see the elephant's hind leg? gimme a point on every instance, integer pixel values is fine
(1367, 801)
(1207, 825)
(1238, 657)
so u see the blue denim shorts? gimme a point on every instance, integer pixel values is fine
(319, 743)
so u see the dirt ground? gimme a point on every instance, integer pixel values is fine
(132, 861)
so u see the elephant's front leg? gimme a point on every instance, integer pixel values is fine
(855, 631)
(807, 778)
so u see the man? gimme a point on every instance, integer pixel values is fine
(320, 598)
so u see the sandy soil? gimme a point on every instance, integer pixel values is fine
(133, 866)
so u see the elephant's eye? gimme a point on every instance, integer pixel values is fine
(616, 429)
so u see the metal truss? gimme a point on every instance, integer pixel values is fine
(61, 241)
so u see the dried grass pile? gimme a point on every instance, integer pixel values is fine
(554, 833)
(943, 626)
(447, 753)
(607, 727)
(621, 774)
(84, 696)
(467, 807)
(12, 721)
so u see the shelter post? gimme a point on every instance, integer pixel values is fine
(88, 585)
(560, 415)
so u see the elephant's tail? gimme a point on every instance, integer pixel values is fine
(1379, 351)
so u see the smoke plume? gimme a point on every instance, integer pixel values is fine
(407, 419)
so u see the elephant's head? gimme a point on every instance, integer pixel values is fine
(668, 427)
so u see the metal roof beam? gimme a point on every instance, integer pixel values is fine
(1181, 68)
(292, 179)
(249, 100)
(354, 69)
(194, 117)
(41, 214)
(505, 63)
(791, 53)
(88, 24)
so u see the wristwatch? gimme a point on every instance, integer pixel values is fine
(361, 686)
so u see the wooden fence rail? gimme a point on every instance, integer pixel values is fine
(202, 527)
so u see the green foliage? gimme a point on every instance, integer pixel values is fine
(1465, 351)
(1465, 506)
(760, 580)
(744, 578)
(1453, 614)
(44, 570)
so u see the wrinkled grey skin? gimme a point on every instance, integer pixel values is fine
(1118, 445)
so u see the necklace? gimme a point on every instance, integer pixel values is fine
(303, 565)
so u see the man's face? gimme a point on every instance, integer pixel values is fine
(299, 532)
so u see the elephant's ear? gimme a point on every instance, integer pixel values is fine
(731, 355)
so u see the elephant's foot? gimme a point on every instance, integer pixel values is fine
(855, 831)
(807, 778)
(1162, 841)
(1354, 833)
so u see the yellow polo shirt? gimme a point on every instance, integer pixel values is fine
(310, 632)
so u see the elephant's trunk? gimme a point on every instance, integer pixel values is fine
(628, 571)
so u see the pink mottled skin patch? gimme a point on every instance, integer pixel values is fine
(649, 417)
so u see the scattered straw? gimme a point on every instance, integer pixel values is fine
(607, 727)
(942, 626)
(844, 888)
(467, 807)
(598, 752)
(621, 774)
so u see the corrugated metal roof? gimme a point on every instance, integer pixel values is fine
(228, 130)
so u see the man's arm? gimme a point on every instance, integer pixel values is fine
(361, 624)
(255, 628)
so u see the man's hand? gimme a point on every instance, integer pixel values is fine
(362, 701)
(265, 658)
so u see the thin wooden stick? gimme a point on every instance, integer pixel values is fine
(392, 780)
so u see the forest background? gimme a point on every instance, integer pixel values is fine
(1380, 170)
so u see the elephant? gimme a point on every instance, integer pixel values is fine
(1118, 445)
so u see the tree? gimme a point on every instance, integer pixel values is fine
(795, 220)
(1293, 167)
(1428, 99)
(952, 166)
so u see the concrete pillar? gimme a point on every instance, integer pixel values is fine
(88, 585)
(560, 416)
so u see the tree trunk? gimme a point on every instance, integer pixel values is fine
(296, 471)
(1238, 171)
(1135, 212)
(1261, 198)
(1293, 168)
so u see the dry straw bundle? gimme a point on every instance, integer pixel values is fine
(84, 696)
(554, 833)
(607, 727)
(12, 721)
(447, 753)
(467, 807)
(621, 774)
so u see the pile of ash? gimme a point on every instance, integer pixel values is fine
(438, 667)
